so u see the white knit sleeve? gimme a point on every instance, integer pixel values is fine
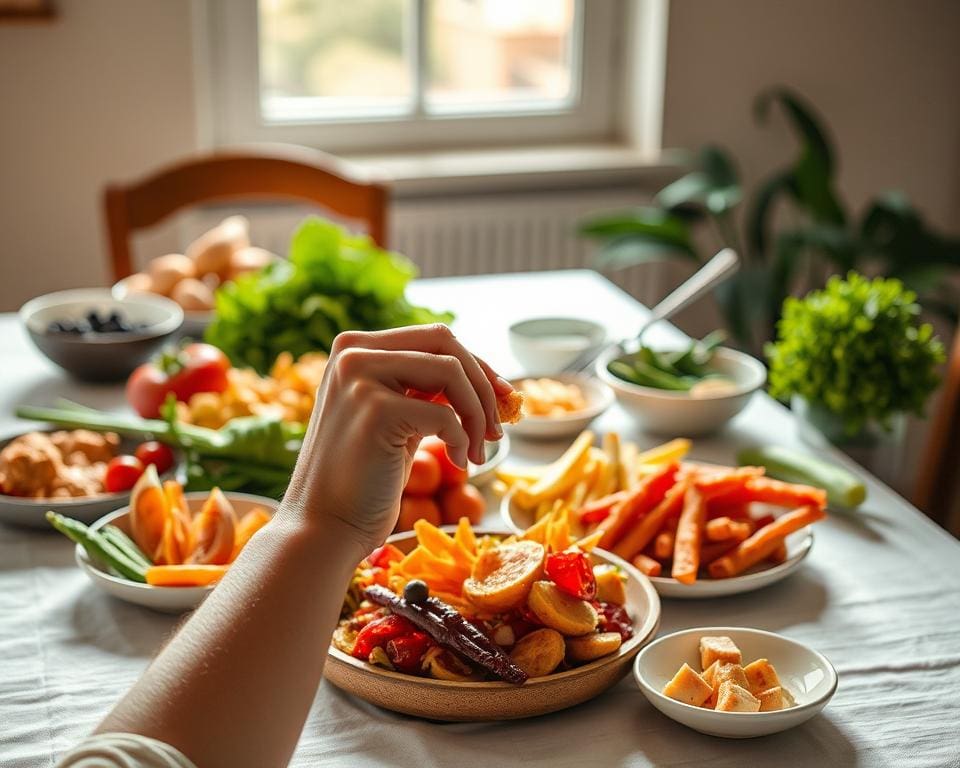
(123, 750)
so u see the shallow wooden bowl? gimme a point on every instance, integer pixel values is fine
(470, 702)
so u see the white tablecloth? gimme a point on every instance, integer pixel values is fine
(879, 596)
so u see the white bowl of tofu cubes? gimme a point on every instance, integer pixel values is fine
(734, 682)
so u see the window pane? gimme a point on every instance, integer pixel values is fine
(495, 55)
(334, 58)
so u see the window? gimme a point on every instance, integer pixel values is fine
(347, 75)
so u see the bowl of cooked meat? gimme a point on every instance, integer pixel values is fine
(77, 472)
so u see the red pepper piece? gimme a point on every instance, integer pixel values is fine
(378, 632)
(381, 557)
(614, 618)
(572, 573)
(406, 651)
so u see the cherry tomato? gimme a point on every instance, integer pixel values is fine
(413, 508)
(424, 475)
(572, 573)
(158, 454)
(462, 501)
(378, 632)
(195, 368)
(450, 473)
(122, 473)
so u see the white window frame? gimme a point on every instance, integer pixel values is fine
(229, 94)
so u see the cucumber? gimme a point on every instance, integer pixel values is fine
(843, 488)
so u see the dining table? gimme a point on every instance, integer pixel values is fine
(878, 595)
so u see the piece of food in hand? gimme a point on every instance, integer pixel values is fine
(539, 652)
(771, 699)
(556, 609)
(689, 687)
(193, 295)
(593, 646)
(736, 698)
(503, 576)
(718, 648)
(413, 508)
(510, 407)
(458, 501)
(549, 397)
(761, 676)
(610, 584)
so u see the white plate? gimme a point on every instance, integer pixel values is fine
(481, 474)
(163, 599)
(807, 675)
(598, 395)
(762, 575)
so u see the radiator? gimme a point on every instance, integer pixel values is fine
(458, 236)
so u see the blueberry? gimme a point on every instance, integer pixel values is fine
(416, 591)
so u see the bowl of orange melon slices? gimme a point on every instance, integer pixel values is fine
(187, 542)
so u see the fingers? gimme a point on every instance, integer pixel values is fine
(403, 370)
(418, 417)
(438, 340)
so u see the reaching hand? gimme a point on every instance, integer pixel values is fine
(366, 427)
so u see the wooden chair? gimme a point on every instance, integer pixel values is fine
(937, 479)
(268, 172)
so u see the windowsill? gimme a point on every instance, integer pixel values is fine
(429, 173)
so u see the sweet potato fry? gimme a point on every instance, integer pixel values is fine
(775, 492)
(764, 542)
(735, 510)
(647, 565)
(648, 526)
(715, 483)
(663, 545)
(643, 497)
(723, 529)
(596, 510)
(686, 550)
(714, 550)
(779, 555)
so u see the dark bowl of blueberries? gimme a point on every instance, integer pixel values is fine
(95, 337)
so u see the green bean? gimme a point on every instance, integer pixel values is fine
(126, 545)
(98, 547)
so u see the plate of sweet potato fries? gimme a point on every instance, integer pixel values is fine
(696, 530)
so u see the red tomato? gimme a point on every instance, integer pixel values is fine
(196, 368)
(450, 473)
(424, 475)
(413, 508)
(158, 454)
(122, 473)
(572, 573)
(462, 501)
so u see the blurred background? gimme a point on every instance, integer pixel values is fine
(501, 126)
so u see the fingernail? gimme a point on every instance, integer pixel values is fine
(497, 429)
(504, 383)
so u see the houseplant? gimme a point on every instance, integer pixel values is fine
(854, 359)
(795, 230)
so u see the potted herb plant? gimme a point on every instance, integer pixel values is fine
(854, 359)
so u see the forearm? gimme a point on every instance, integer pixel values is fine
(219, 678)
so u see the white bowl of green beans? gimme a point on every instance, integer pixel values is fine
(687, 408)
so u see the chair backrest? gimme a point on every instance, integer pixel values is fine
(939, 472)
(268, 172)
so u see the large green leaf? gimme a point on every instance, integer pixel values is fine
(894, 232)
(652, 222)
(715, 185)
(719, 167)
(628, 250)
(758, 224)
(808, 127)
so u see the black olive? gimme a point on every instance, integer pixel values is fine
(416, 591)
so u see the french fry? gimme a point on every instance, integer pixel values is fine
(643, 532)
(779, 555)
(594, 511)
(589, 542)
(628, 458)
(538, 531)
(686, 550)
(776, 492)
(667, 452)
(715, 550)
(647, 565)
(723, 528)
(717, 483)
(609, 477)
(560, 476)
(663, 545)
(735, 510)
(764, 542)
(646, 494)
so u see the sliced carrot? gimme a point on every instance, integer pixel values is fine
(779, 555)
(214, 531)
(663, 545)
(686, 549)
(724, 481)
(775, 492)
(599, 509)
(764, 542)
(640, 499)
(249, 524)
(647, 565)
(650, 524)
(184, 575)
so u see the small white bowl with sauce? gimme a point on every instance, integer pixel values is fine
(544, 345)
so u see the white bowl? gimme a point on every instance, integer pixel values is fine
(666, 412)
(194, 323)
(163, 599)
(759, 576)
(598, 395)
(807, 675)
(481, 474)
(544, 345)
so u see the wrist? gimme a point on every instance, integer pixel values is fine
(329, 531)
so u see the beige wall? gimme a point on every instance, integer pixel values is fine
(103, 92)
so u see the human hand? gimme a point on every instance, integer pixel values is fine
(365, 426)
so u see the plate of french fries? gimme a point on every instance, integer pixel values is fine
(696, 530)
(559, 406)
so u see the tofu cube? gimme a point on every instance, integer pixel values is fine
(709, 677)
(771, 699)
(761, 676)
(718, 649)
(687, 686)
(736, 698)
(732, 672)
